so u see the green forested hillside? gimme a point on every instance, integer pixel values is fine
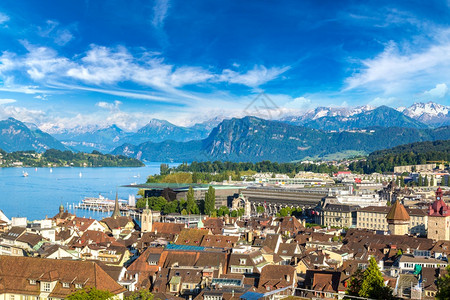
(409, 154)
(254, 139)
(57, 158)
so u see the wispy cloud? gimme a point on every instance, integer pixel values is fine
(3, 18)
(6, 101)
(259, 75)
(53, 30)
(160, 10)
(397, 70)
(102, 69)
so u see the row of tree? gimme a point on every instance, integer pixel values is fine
(185, 206)
(219, 167)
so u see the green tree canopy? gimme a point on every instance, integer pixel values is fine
(443, 285)
(90, 294)
(140, 295)
(210, 200)
(191, 205)
(369, 284)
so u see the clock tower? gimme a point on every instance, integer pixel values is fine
(439, 219)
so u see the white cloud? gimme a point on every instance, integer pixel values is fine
(437, 92)
(22, 114)
(41, 62)
(253, 78)
(3, 18)
(398, 70)
(6, 101)
(299, 103)
(160, 12)
(110, 66)
(110, 106)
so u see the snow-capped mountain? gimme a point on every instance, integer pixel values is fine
(322, 111)
(430, 113)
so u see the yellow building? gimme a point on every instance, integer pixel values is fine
(374, 218)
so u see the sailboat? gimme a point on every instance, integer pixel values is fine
(24, 174)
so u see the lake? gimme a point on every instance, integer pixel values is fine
(42, 192)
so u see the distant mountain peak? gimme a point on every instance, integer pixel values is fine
(430, 113)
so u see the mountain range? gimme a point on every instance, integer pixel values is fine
(318, 133)
(253, 139)
(16, 136)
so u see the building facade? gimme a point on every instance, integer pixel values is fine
(439, 219)
(374, 218)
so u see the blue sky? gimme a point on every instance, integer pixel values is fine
(77, 63)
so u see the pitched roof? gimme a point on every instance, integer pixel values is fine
(276, 275)
(117, 222)
(16, 273)
(191, 236)
(219, 241)
(173, 228)
(398, 212)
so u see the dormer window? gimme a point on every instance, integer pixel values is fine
(46, 287)
(242, 261)
(32, 281)
(78, 285)
(66, 285)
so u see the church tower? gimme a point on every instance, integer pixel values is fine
(146, 219)
(439, 219)
(398, 219)
(116, 212)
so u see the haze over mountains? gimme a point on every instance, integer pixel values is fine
(321, 132)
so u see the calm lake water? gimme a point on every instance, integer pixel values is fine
(40, 194)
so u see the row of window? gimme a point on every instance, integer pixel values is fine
(46, 286)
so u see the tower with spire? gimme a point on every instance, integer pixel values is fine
(146, 219)
(116, 212)
(439, 219)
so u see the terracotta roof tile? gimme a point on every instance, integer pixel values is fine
(398, 212)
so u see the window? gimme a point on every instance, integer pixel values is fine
(242, 261)
(32, 281)
(66, 285)
(46, 287)
(11, 297)
(78, 286)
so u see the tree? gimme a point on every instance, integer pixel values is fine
(191, 206)
(355, 283)
(260, 209)
(210, 200)
(372, 285)
(223, 210)
(140, 295)
(164, 169)
(443, 285)
(90, 294)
